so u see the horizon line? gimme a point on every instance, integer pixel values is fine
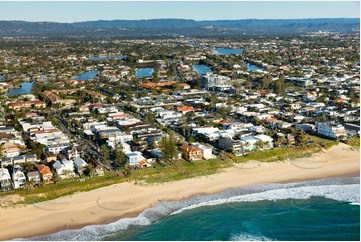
(47, 21)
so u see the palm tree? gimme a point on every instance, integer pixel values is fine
(67, 172)
(259, 145)
(246, 146)
(280, 141)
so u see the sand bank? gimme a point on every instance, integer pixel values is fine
(110, 203)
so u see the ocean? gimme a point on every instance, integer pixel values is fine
(325, 209)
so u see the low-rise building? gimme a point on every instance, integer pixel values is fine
(18, 177)
(206, 150)
(45, 173)
(27, 104)
(56, 149)
(134, 158)
(213, 80)
(34, 176)
(79, 164)
(190, 153)
(228, 144)
(5, 180)
(331, 130)
(64, 168)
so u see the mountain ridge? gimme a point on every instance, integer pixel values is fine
(170, 27)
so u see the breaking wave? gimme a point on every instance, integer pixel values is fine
(345, 189)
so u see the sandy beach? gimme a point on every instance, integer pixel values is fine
(108, 204)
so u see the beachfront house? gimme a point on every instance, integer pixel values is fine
(79, 164)
(331, 130)
(5, 180)
(34, 176)
(134, 158)
(45, 173)
(64, 168)
(206, 150)
(99, 170)
(18, 177)
(190, 153)
(235, 146)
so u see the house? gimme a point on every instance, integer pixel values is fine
(6, 162)
(79, 164)
(331, 130)
(212, 80)
(267, 141)
(134, 158)
(72, 152)
(229, 144)
(34, 176)
(352, 129)
(27, 104)
(64, 168)
(45, 173)
(206, 150)
(185, 109)
(18, 177)
(305, 127)
(10, 149)
(190, 153)
(55, 149)
(250, 143)
(49, 156)
(5, 180)
(99, 171)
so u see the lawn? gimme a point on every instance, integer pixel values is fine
(179, 170)
(327, 142)
(160, 173)
(354, 142)
(63, 187)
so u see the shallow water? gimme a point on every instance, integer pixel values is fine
(326, 209)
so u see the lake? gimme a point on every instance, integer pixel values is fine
(98, 58)
(24, 89)
(228, 51)
(252, 67)
(201, 69)
(86, 75)
(144, 72)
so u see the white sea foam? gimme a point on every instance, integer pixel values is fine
(343, 193)
(94, 232)
(339, 189)
(249, 237)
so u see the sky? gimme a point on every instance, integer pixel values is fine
(71, 11)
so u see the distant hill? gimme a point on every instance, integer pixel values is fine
(326, 24)
(174, 27)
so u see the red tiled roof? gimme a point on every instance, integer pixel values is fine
(188, 148)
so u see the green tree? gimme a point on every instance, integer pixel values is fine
(260, 145)
(279, 86)
(266, 82)
(28, 166)
(89, 171)
(168, 147)
(56, 178)
(119, 155)
(149, 117)
(105, 151)
(127, 171)
(301, 138)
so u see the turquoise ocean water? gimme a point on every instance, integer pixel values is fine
(326, 209)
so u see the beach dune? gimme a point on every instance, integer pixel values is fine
(117, 201)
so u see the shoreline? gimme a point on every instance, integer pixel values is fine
(125, 200)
